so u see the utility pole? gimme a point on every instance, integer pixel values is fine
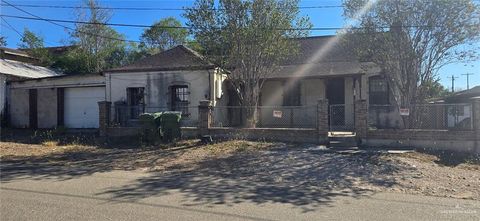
(468, 84)
(453, 82)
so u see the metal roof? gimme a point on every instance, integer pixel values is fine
(25, 70)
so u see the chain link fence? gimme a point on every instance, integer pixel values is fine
(422, 116)
(265, 116)
(341, 117)
(127, 116)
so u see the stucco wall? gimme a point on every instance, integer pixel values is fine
(47, 108)
(157, 87)
(349, 98)
(19, 108)
(312, 91)
(46, 97)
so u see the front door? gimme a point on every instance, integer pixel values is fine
(336, 98)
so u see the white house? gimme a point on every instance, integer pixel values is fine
(176, 80)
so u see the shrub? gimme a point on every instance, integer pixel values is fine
(149, 132)
(170, 126)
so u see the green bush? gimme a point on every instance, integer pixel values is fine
(170, 126)
(149, 133)
(161, 125)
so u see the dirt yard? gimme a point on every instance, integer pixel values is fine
(255, 163)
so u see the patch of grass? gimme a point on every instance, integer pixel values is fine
(50, 143)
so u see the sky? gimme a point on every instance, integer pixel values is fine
(56, 36)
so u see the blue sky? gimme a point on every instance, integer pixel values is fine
(54, 35)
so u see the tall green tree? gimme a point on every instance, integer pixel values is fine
(99, 46)
(249, 37)
(163, 35)
(35, 45)
(411, 40)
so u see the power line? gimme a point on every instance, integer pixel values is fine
(66, 27)
(150, 8)
(8, 25)
(187, 27)
(11, 27)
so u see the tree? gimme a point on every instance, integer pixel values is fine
(250, 38)
(99, 46)
(433, 89)
(34, 44)
(3, 41)
(411, 40)
(163, 35)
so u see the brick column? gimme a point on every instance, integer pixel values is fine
(322, 121)
(204, 116)
(361, 116)
(476, 121)
(104, 117)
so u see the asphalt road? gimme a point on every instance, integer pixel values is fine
(95, 197)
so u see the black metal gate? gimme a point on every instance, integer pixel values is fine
(341, 117)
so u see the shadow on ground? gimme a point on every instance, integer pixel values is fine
(303, 179)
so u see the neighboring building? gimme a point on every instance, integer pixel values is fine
(69, 101)
(17, 55)
(176, 80)
(458, 107)
(17, 65)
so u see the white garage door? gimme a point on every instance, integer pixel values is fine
(81, 106)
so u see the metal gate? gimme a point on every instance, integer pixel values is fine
(341, 117)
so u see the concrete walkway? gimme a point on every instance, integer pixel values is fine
(95, 197)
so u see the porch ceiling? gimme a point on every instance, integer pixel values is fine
(325, 69)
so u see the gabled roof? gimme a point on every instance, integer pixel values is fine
(177, 58)
(323, 56)
(320, 49)
(25, 70)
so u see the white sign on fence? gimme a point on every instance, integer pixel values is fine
(277, 114)
(404, 111)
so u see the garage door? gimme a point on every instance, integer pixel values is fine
(81, 106)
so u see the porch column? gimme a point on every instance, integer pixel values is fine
(204, 116)
(361, 115)
(476, 122)
(104, 117)
(322, 121)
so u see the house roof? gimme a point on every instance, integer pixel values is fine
(56, 50)
(14, 51)
(323, 56)
(177, 58)
(463, 96)
(319, 49)
(25, 70)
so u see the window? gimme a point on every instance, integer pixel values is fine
(291, 95)
(180, 96)
(135, 101)
(378, 90)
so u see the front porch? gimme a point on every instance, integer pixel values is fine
(340, 92)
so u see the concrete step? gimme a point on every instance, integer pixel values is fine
(342, 141)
